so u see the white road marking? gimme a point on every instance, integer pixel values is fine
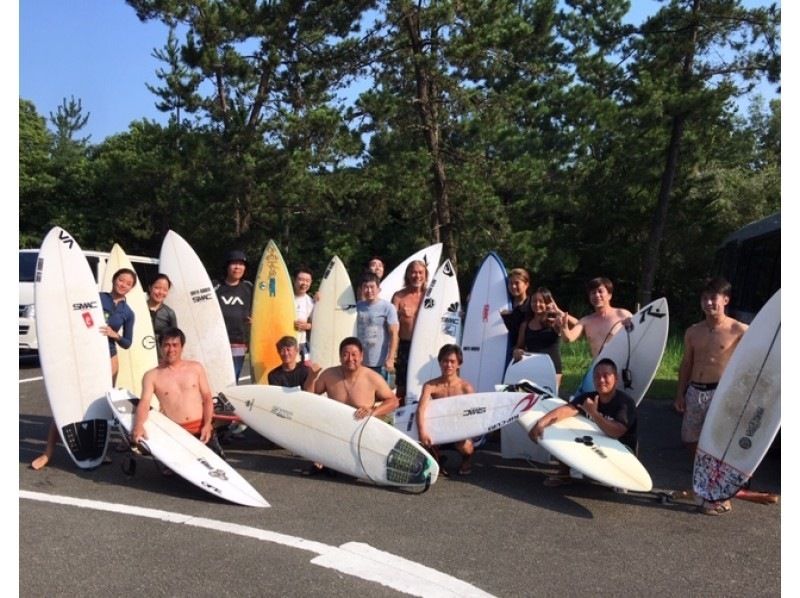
(353, 558)
(31, 379)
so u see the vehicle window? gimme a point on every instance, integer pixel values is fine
(27, 266)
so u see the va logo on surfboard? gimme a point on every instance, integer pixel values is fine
(65, 238)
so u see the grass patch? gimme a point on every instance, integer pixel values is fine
(576, 359)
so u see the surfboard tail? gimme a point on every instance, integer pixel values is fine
(715, 480)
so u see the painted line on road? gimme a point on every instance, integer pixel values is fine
(353, 558)
(31, 379)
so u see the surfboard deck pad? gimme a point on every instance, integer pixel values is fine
(87, 440)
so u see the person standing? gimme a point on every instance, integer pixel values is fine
(708, 346)
(235, 295)
(519, 281)
(161, 315)
(603, 323)
(377, 327)
(540, 332)
(407, 302)
(303, 309)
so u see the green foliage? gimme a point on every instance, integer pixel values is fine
(537, 129)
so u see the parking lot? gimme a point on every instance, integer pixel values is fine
(498, 531)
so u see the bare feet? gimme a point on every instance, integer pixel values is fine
(40, 461)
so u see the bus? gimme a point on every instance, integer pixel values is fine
(750, 259)
(146, 268)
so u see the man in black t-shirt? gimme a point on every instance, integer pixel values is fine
(291, 373)
(612, 410)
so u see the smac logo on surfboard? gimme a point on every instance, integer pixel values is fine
(84, 305)
(200, 295)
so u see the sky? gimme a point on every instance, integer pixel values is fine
(99, 52)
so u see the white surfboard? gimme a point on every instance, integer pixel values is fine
(514, 440)
(326, 431)
(334, 314)
(581, 444)
(196, 307)
(184, 454)
(536, 367)
(395, 280)
(438, 323)
(745, 413)
(73, 354)
(638, 350)
(485, 337)
(142, 354)
(451, 419)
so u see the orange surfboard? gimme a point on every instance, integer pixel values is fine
(273, 312)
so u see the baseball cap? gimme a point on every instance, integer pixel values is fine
(237, 255)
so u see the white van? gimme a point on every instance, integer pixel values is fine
(146, 268)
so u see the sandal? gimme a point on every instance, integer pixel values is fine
(716, 508)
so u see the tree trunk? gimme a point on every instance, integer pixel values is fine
(659, 221)
(426, 98)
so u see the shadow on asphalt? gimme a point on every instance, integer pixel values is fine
(28, 361)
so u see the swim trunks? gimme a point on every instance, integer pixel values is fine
(698, 398)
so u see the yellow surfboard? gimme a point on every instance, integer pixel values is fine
(141, 356)
(273, 312)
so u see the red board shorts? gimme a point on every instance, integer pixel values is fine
(194, 428)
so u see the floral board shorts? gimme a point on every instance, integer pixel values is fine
(698, 399)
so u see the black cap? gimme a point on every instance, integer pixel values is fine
(237, 255)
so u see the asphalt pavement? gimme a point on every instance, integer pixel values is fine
(498, 531)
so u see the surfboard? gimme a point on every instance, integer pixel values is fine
(451, 419)
(514, 441)
(273, 312)
(326, 431)
(196, 307)
(581, 444)
(745, 413)
(334, 314)
(485, 337)
(536, 367)
(73, 354)
(395, 280)
(438, 323)
(142, 354)
(638, 350)
(184, 454)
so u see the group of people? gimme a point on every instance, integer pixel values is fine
(379, 352)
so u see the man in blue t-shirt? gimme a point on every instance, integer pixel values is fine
(377, 327)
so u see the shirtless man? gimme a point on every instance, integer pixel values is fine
(181, 387)
(407, 302)
(601, 325)
(447, 385)
(708, 345)
(356, 385)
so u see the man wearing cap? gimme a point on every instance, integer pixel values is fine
(235, 295)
